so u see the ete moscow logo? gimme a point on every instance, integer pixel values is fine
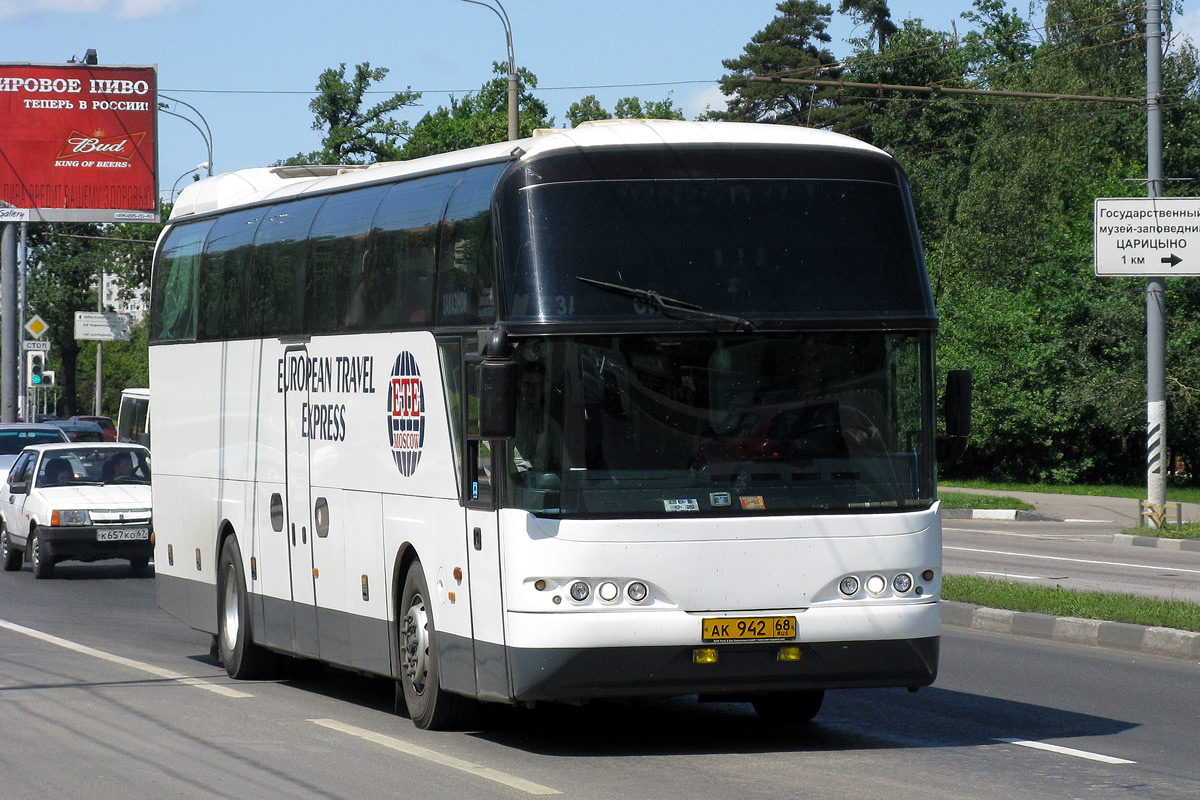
(406, 413)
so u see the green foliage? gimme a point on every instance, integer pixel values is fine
(354, 135)
(589, 109)
(480, 118)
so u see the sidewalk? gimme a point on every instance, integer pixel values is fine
(1114, 514)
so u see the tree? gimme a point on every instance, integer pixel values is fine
(589, 109)
(791, 42)
(354, 135)
(479, 118)
(874, 13)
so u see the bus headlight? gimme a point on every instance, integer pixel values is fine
(876, 584)
(580, 591)
(848, 586)
(636, 591)
(902, 583)
(608, 591)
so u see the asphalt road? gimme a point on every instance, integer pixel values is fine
(104, 696)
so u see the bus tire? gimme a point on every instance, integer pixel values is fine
(10, 555)
(43, 563)
(797, 706)
(243, 659)
(429, 706)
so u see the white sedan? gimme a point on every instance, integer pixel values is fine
(76, 501)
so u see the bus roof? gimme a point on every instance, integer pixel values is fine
(267, 183)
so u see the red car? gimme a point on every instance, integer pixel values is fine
(106, 425)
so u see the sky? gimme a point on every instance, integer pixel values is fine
(249, 67)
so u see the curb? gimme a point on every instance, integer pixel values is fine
(1095, 633)
(997, 514)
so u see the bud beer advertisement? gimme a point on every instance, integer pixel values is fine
(78, 143)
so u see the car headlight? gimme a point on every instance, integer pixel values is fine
(80, 517)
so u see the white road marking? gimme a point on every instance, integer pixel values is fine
(159, 672)
(1073, 560)
(1067, 751)
(513, 782)
(1018, 577)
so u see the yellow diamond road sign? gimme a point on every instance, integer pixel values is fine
(36, 326)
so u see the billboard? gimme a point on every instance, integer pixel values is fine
(78, 143)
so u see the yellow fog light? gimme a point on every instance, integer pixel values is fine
(788, 654)
(704, 655)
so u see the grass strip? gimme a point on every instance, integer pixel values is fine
(1068, 603)
(1175, 494)
(1190, 530)
(965, 500)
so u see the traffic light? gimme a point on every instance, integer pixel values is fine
(35, 367)
(47, 379)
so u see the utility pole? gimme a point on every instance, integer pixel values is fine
(1156, 307)
(8, 323)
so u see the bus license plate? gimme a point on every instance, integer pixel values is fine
(122, 534)
(748, 629)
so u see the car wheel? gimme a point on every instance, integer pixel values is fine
(798, 706)
(242, 658)
(43, 564)
(10, 555)
(429, 706)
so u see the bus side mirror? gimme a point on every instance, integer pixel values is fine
(498, 398)
(959, 385)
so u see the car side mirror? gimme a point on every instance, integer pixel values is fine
(21, 487)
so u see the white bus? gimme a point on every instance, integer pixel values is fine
(625, 410)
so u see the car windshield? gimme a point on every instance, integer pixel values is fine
(13, 442)
(655, 425)
(94, 466)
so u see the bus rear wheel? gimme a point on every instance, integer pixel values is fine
(798, 706)
(429, 706)
(242, 658)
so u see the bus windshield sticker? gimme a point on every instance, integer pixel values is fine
(753, 503)
(681, 505)
(719, 499)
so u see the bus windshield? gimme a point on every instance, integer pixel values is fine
(742, 247)
(648, 425)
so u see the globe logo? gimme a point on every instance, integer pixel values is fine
(406, 413)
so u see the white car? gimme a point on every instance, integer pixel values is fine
(76, 501)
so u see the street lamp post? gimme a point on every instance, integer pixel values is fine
(197, 168)
(205, 132)
(513, 117)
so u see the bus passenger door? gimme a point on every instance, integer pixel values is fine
(298, 522)
(483, 551)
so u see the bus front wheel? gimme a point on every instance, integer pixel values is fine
(429, 706)
(238, 652)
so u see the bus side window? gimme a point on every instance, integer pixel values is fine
(174, 288)
(401, 254)
(466, 272)
(275, 286)
(223, 296)
(335, 286)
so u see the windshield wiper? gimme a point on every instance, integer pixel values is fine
(668, 303)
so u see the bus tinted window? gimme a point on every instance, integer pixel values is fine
(275, 290)
(335, 295)
(223, 306)
(400, 266)
(466, 277)
(175, 275)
